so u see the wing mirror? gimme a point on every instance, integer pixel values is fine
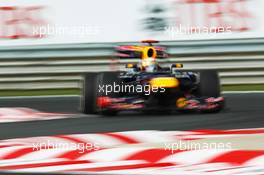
(130, 65)
(177, 65)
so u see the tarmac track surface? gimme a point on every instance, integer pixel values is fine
(242, 111)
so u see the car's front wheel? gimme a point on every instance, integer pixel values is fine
(96, 85)
(89, 93)
(209, 84)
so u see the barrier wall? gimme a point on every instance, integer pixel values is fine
(61, 66)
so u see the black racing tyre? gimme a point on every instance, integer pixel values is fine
(108, 79)
(89, 93)
(209, 84)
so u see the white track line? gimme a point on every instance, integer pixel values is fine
(243, 92)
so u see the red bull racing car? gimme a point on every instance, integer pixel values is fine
(149, 87)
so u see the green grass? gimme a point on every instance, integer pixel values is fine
(253, 87)
(39, 92)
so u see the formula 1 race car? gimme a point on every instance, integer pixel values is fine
(149, 87)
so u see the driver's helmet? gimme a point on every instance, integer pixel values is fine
(149, 65)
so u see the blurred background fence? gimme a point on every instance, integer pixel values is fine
(59, 66)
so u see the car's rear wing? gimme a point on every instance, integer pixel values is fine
(131, 51)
